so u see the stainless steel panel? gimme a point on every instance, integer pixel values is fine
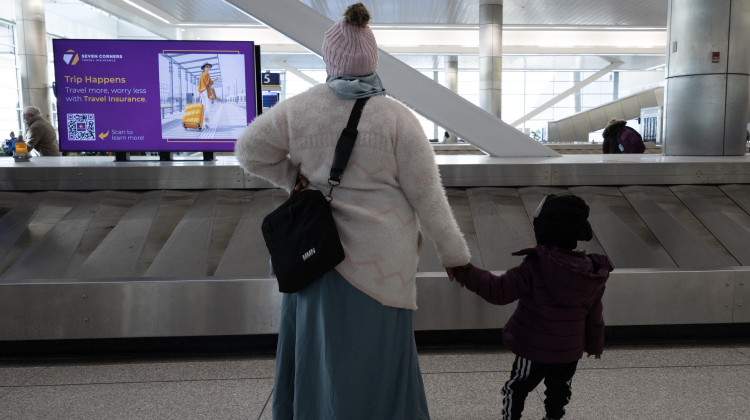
(720, 215)
(738, 102)
(246, 254)
(68, 173)
(186, 251)
(101, 173)
(444, 305)
(739, 33)
(14, 224)
(634, 297)
(155, 308)
(502, 226)
(172, 209)
(118, 254)
(465, 171)
(429, 261)
(698, 28)
(114, 205)
(626, 240)
(52, 255)
(741, 296)
(9, 200)
(694, 123)
(740, 194)
(205, 307)
(683, 236)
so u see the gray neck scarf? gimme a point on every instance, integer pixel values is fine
(354, 87)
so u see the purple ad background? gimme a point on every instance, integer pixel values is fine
(139, 66)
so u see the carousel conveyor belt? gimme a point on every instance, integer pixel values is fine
(170, 262)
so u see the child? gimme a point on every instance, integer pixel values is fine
(559, 313)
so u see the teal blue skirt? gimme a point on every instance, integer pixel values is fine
(343, 355)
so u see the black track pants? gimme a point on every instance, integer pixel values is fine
(526, 375)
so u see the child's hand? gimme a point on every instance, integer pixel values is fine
(596, 356)
(460, 273)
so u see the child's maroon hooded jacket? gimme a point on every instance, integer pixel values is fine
(559, 313)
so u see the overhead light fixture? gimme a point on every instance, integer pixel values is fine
(148, 12)
(221, 24)
(655, 67)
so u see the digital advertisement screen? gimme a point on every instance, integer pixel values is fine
(124, 95)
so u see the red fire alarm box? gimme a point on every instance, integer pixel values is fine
(715, 57)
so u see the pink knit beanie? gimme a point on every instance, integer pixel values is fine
(349, 47)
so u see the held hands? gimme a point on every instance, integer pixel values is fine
(459, 273)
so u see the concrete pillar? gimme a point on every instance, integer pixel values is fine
(577, 95)
(708, 77)
(32, 55)
(615, 85)
(451, 82)
(490, 55)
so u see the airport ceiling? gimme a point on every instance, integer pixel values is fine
(537, 34)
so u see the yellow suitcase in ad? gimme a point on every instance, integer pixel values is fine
(193, 117)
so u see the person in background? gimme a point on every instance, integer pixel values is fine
(40, 134)
(449, 139)
(559, 313)
(620, 138)
(11, 143)
(346, 346)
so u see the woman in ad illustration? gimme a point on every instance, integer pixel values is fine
(205, 92)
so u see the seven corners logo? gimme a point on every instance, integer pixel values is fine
(70, 55)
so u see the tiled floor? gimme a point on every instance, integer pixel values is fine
(679, 381)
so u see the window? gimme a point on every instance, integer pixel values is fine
(10, 116)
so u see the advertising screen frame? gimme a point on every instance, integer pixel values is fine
(143, 95)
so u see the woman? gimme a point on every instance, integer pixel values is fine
(204, 88)
(346, 344)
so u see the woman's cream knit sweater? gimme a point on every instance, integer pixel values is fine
(390, 187)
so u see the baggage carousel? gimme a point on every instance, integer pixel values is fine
(92, 248)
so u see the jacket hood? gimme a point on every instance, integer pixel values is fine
(613, 128)
(33, 119)
(574, 278)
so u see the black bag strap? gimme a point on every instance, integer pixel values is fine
(345, 146)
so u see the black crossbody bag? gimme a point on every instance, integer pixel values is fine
(301, 235)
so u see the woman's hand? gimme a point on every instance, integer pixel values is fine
(299, 184)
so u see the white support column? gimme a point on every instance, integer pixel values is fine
(451, 82)
(491, 55)
(32, 54)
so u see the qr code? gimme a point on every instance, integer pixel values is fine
(81, 127)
